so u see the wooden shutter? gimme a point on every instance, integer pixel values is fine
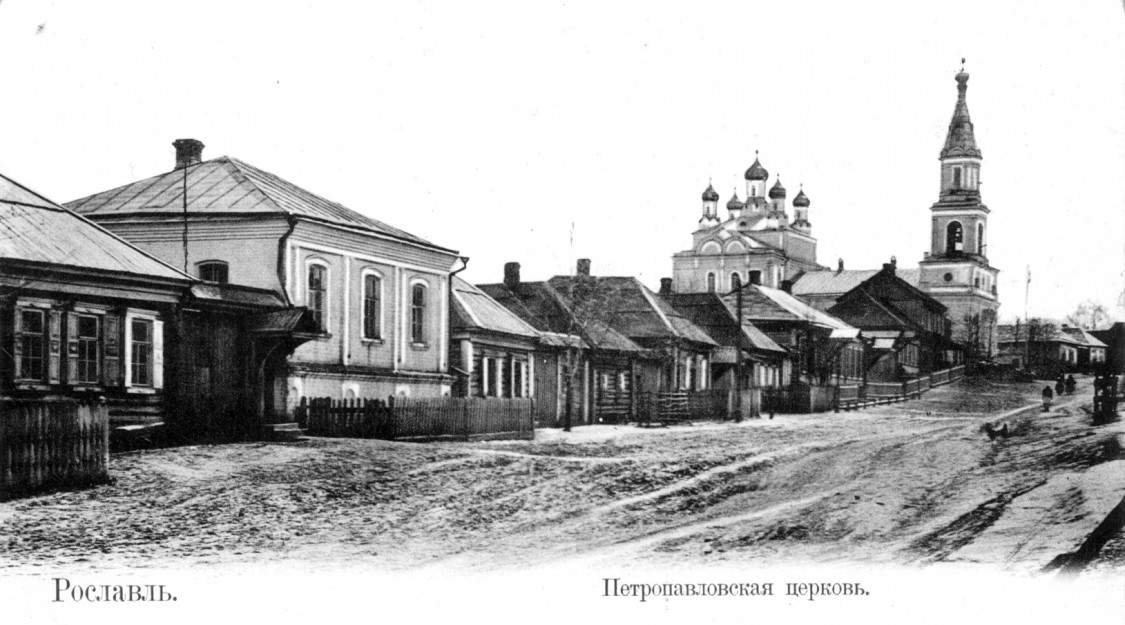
(72, 348)
(157, 354)
(17, 343)
(54, 347)
(111, 346)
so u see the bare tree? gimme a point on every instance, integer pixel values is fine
(1089, 315)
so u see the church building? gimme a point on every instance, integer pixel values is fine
(956, 271)
(755, 244)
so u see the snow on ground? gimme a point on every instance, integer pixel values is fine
(915, 483)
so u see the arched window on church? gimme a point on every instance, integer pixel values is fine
(956, 177)
(980, 239)
(735, 280)
(954, 238)
(710, 283)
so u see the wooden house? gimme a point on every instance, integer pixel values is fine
(631, 309)
(823, 349)
(763, 359)
(379, 296)
(580, 356)
(906, 330)
(84, 313)
(493, 350)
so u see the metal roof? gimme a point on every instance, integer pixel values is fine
(227, 185)
(473, 308)
(35, 229)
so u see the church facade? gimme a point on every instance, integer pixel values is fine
(956, 271)
(756, 243)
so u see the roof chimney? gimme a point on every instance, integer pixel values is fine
(787, 286)
(511, 275)
(665, 286)
(583, 266)
(840, 265)
(188, 152)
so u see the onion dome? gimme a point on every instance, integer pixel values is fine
(756, 171)
(777, 192)
(710, 195)
(802, 200)
(735, 204)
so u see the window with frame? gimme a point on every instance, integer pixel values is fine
(214, 271)
(418, 313)
(710, 283)
(735, 281)
(318, 294)
(89, 337)
(372, 307)
(140, 351)
(32, 335)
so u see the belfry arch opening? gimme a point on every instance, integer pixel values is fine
(954, 238)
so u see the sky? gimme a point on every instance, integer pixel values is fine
(550, 131)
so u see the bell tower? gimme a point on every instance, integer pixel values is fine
(956, 271)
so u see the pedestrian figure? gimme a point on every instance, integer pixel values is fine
(1047, 395)
(1070, 385)
(1060, 386)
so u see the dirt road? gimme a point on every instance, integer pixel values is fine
(911, 483)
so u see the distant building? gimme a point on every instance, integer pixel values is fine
(378, 294)
(756, 243)
(1052, 349)
(1114, 339)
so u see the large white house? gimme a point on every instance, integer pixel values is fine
(381, 295)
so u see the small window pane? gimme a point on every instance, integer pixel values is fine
(213, 272)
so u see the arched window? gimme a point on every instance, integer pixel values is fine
(418, 313)
(980, 239)
(710, 282)
(755, 277)
(954, 238)
(317, 299)
(213, 271)
(372, 306)
(735, 280)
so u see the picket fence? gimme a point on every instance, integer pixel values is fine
(406, 418)
(52, 443)
(850, 397)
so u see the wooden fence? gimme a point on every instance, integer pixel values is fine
(406, 418)
(857, 396)
(52, 443)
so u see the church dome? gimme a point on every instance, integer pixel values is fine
(777, 192)
(710, 195)
(801, 200)
(757, 172)
(735, 204)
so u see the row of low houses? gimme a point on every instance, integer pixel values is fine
(216, 296)
(1050, 349)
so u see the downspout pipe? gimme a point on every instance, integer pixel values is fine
(449, 312)
(283, 259)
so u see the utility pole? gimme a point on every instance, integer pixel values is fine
(738, 356)
(1027, 339)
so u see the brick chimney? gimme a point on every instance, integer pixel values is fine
(665, 286)
(583, 266)
(889, 268)
(840, 266)
(188, 152)
(511, 275)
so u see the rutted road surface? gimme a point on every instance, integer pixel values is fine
(911, 483)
